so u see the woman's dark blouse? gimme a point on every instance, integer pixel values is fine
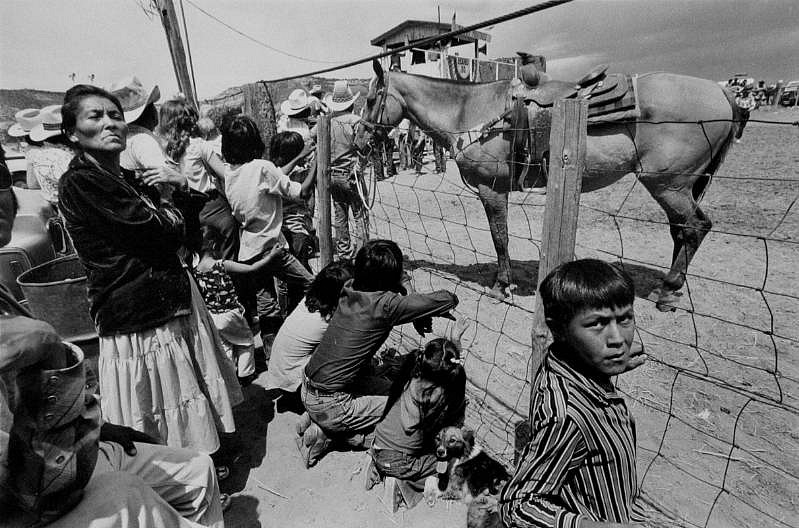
(127, 239)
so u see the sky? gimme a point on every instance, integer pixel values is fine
(44, 41)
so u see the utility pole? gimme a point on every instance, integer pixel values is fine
(170, 21)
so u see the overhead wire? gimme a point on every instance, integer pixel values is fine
(255, 40)
(431, 40)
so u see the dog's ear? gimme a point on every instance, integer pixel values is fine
(468, 437)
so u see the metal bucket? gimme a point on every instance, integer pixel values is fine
(56, 293)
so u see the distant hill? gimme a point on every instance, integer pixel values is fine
(12, 101)
(281, 90)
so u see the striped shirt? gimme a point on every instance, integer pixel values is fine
(580, 462)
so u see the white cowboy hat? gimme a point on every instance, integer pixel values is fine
(296, 103)
(133, 97)
(341, 98)
(50, 124)
(25, 120)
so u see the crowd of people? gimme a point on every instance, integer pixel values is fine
(193, 244)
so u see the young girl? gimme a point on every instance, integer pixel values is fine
(303, 330)
(212, 274)
(427, 395)
(199, 162)
(338, 396)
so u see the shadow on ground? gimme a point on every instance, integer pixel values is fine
(525, 275)
(248, 445)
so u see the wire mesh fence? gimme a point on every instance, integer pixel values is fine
(717, 404)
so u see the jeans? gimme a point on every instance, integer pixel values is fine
(391, 463)
(287, 268)
(345, 198)
(341, 412)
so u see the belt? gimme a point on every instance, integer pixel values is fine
(314, 389)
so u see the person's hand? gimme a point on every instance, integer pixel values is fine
(423, 325)
(306, 149)
(163, 174)
(124, 436)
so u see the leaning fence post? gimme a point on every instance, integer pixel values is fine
(324, 230)
(567, 143)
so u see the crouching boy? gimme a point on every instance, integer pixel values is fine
(579, 468)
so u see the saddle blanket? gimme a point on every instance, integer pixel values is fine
(616, 109)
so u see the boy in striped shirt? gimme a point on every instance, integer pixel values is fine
(579, 468)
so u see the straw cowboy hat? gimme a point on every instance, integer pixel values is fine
(341, 98)
(50, 124)
(296, 103)
(134, 97)
(25, 121)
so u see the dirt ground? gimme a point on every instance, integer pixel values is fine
(717, 404)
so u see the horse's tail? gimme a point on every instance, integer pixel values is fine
(702, 183)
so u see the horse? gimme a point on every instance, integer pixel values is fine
(685, 129)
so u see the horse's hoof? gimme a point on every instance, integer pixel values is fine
(666, 300)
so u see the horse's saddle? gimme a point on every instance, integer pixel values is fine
(610, 97)
(596, 86)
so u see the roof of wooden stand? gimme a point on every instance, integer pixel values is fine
(412, 31)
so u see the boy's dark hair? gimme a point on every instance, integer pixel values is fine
(73, 98)
(325, 289)
(439, 363)
(241, 140)
(583, 284)
(378, 267)
(285, 146)
(211, 242)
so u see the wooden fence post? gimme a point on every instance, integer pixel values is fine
(567, 144)
(258, 105)
(324, 229)
(567, 141)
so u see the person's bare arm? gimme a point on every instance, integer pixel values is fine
(231, 266)
(288, 167)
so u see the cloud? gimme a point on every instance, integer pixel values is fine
(575, 66)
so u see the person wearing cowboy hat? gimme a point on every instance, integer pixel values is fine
(294, 112)
(745, 100)
(24, 121)
(143, 153)
(343, 158)
(47, 163)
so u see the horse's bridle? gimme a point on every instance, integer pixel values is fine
(383, 95)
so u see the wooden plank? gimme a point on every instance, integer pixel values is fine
(567, 145)
(324, 229)
(258, 105)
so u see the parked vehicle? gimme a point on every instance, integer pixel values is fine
(18, 165)
(33, 241)
(789, 94)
